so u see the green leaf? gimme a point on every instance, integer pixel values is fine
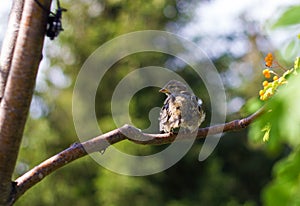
(297, 63)
(290, 17)
(266, 129)
(285, 188)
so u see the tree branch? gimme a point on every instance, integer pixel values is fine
(9, 42)
(99, 143)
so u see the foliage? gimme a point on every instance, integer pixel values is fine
(286, 187)
(289, 17)
(282, 120)
(280, 127)
(270, 88)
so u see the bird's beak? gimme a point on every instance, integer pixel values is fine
(163, 90)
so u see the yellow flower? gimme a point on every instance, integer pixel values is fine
(266, 73)
(265, 83)
(261, 92)
(269, 60)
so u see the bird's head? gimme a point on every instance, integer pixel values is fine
(174, 86)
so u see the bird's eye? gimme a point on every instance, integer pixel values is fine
(200, 102)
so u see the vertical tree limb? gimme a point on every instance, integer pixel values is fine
(9, 42)
(19, 88)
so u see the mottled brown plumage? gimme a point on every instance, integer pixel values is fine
(181, 108)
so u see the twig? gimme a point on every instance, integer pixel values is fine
(77, 150)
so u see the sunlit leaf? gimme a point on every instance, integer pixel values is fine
(290, 17)
(266, 129)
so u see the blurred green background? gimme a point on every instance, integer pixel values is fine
(242, 170)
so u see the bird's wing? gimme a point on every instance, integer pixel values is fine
(164, 116)
(170, 114)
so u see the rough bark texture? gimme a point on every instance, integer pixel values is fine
(18, 91)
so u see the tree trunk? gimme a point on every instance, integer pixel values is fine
(24, 60)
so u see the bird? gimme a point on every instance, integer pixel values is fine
(181, 109)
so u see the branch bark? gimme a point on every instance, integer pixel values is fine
(100, 143)
(9, 43)
(23, 60)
